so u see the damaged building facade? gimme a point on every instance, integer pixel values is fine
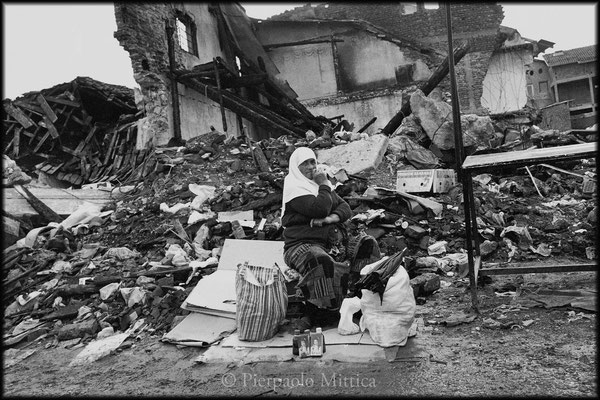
(478, 24)
(346, 68)
(184, 55)
(509, 82)
(354, 61)
(574, 80)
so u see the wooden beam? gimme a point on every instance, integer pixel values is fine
(18, 115)
(62, 101)
(170, 30)
(299, 43)
(519, 158)
(50, 126)
(244, 81)
(41, 142)
(41, 208)
(34, 108)
(46, 108)
(16, 141)
(84, 142)
(438, 75)
(218, 78)
(249, 111)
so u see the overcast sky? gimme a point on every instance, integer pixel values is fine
(46, 44)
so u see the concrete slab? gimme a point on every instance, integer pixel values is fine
(62, 201)
(356, 157)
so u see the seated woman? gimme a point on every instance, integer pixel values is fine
(311, 215)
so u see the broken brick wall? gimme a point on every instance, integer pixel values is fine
(361, 81)
(359, 108)
(556, 116)
(141, 30)
(477, 23)
(539, 82)
(504, 87)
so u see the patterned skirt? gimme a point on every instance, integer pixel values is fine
(324, 281)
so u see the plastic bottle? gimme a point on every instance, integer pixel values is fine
(295, 342)
(238, 231)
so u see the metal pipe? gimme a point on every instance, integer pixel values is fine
(465, 177)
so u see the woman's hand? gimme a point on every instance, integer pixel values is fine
(320, 178)
(330, 219)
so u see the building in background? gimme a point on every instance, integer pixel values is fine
(347, 68)
(574, 79)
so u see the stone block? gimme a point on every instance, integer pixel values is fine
(425, 284)
(79, 329)
(356, 157)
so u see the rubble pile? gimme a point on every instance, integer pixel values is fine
(79, 132)
(133, 263)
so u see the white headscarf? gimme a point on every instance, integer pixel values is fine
(295, 184)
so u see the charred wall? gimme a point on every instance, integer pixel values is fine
(141, 31)
(477, 23)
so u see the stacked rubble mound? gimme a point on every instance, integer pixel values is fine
(133, 263)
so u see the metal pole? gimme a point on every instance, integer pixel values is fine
(174, 89)
(465, 177)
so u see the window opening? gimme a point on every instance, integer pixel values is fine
(544, 87)
(530, 91)
(186, 34)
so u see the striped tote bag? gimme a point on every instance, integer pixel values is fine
(261, 298)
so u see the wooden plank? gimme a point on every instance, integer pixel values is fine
(7, 148)
(56, 100)
(46, 123)
(46, 108)
(522, 158)
(10, 128)
(46, 168)
(68, 150)
(67, 118)
(30, 107)
(18, 115)
(118, 161)
(85, 141)
(539, 269)
(17, 140)
(39, 206)
(93, 173)
(110, 147)
(38, 129)
(28, 134)
(53, 170)
(41, 142)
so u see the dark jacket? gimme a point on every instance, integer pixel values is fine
(299, 212)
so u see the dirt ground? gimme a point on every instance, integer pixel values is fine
(555, 355)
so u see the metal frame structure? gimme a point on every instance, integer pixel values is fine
(467, 166)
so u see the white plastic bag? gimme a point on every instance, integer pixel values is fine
(389, 321)
(346, 326)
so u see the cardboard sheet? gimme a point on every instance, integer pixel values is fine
(199, 329)
(353, 353)
(284, 339)
(213, 292)
(425, 180)
(359, 348)
(98, 349)
(256, 252)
